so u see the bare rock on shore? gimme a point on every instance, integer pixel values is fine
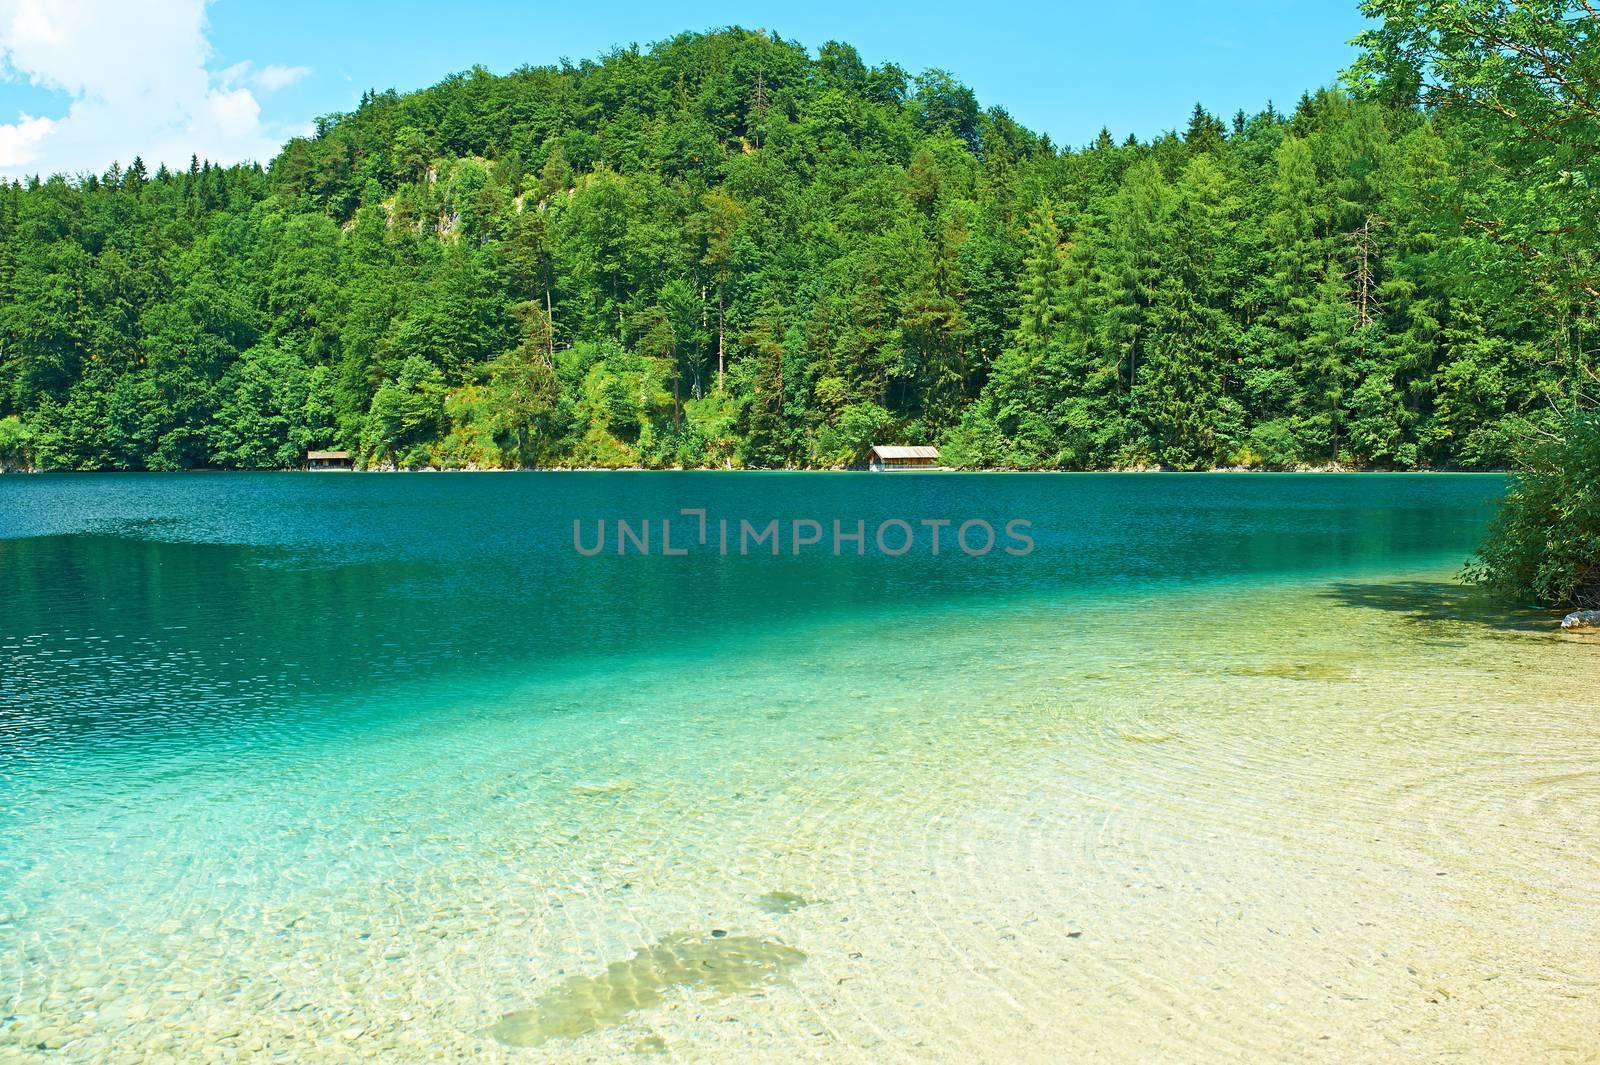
(1582, 619)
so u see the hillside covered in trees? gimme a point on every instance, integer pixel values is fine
(727, 250)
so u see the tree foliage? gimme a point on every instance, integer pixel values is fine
(728, 250)
(1514, 88)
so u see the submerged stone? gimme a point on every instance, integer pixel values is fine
(1294, 671)
(781, 902)
(609, 787)
(579, 1005)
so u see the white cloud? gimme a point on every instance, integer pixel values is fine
(270, 78)
(138, 84)
(19, 141)
(275, 76)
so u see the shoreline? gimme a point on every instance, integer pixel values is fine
(1355, 470)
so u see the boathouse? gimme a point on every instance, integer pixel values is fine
(904, 458)
(329, 460)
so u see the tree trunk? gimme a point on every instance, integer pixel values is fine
(550, 315)
(720, 362)
(677, 402)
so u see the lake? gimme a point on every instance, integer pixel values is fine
(1177, 767)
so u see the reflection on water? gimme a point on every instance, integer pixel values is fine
(1125, 806)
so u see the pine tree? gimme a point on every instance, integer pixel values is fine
(1043, 280)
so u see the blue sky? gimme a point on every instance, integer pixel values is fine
(89, 81)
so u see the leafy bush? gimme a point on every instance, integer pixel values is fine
(16, 441)
(860, 426)
(1275, 444)
(1544, 545)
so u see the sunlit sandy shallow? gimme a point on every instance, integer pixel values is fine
(1322, 820)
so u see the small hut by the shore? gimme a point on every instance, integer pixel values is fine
(892, 457)
(329, 460)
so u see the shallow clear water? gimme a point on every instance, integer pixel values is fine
(1227, 768)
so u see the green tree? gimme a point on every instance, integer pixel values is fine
(16, 444)
(406, 413)
(1516, 84)
(718, 224)
(525, 389)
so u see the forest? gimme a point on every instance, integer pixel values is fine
(729, 250)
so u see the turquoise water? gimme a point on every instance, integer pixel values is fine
(243, 606)
(148, 616)
(332, 765)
